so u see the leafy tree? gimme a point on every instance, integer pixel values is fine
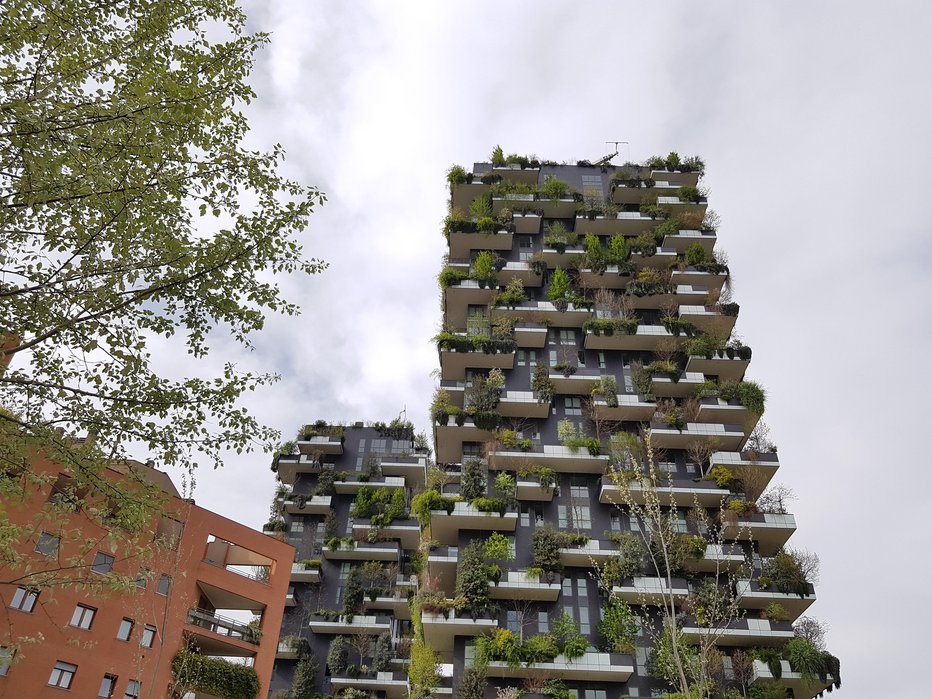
(131, 211)
(618, 628)
(337, 655)
(304, 684)
(472, 579)
(473, 482)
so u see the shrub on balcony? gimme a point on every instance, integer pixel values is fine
(450, 276)
(483, 268)
(688, 193)
(512, 296)
(501, 646)
(430, 500)
(507, 488)
(491, 505)
(542, 384)
(497, 546)
(677, 326)
(545, 550)
(618, 628)
(566, 633)
(560, 285)
(456, 175)
(472, 579)
(473, 481)
(424, 670)
(304, 684)
(695, 255)
(540, 648)
(729, 309)
(196, 672)
(632, 557)
(607, 388)
(509, 440)
(788, 572)
(554, 189)
(472, 682)
(275, 525)
(660, 660)
(383, 654)
(337, 655)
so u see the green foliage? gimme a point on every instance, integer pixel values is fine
(618, 628)
(473, 480)
(661, 662)
(383, 654)
(491, 505)
(767, 690)
(114, 128)
(545, 549)
(688, 193)
(337, 655)
(723, 477)
(554, 189)
(497, 157)
(566, 633)
(304, 684)
(542, 384)
(456, 175)
(607, 388)
(695, 255)
(672, 161)
(507, 487)
(423, 503)
(481, 208)
(512, 296)
(382, 505)
(776, 612)
(498, 546)
(632, 554)
(193, 671)
(483, 267)
(472, 682)
(424, 670)
(618, 250)
(805, 658)
(784, 572)
(353, 593)
(560, 285)
(472, 579)
(452, 275)
(503, 645)
(541, 648)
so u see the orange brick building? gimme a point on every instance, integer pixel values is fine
(91, 641)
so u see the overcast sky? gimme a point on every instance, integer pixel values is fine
(814, 120)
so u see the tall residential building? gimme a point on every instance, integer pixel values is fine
(157, 619)
(599, 520)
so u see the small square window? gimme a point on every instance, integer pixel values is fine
(165, 582)
(83, 617)
(6, 659)
(62, 675)
(132, 690)
(125, 630)
(142, 579)
(24, 599)
(47, 545)
(103, 563)
(148, 636)
(107, 685)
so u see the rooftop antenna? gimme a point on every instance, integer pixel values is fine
(608, 158)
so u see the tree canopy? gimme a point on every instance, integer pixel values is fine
(130, 209)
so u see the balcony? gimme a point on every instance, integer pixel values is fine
(289, 466)
(405, 531)
(396, 603)
(572, 317)
(718, 558)
(742, 632)
(722, 411)
(685, 385)
(724, 436)
(647, 338)
(678, 207)
(519, 270)
(530, 490)
(565, 259)
(559, 458)
(531, 335)
(220, 635)
(352, 487)
(564, 207)
(305, 574)
(462, 243)
(681, 294)
(695, 277)
(802, 689)
(453, 365)
(593, 553)
(628, 407)
(440, 630)
(578, 383)
(622, 194)
(445, 528)
(526, 223)
(359, 624)
(449, 439)
(686, 239)
(770, 531)
(622, 223)
(303, 505)
(591, 666)
(652, 590)
(287, 650)
(522, 404)
(364, 551)
(518, 585)
(394, 685)
(675, 493)
(290, 600)
(709, 320)
(751, 596)
(458, 298)
(719, 364)
(321, 444)
(609, 279)
(676, 178)
(738, 461)
(412, 468)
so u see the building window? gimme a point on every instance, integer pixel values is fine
(601, 360)
(6, 659)
(126, 628)
(615, 522)
(132, 690)
(165, 583)
(582, 589)
(512, 622)
(47, 544)
(567, 587)
(297, 525)
(567, 337)
(107, 685)
(142, 579)
(83, 617)
(378, 446)
(543, 622)
(62, 674)
(148, 636)
(572, 405)
(24, 599)
(103, 563)
(584, 621)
